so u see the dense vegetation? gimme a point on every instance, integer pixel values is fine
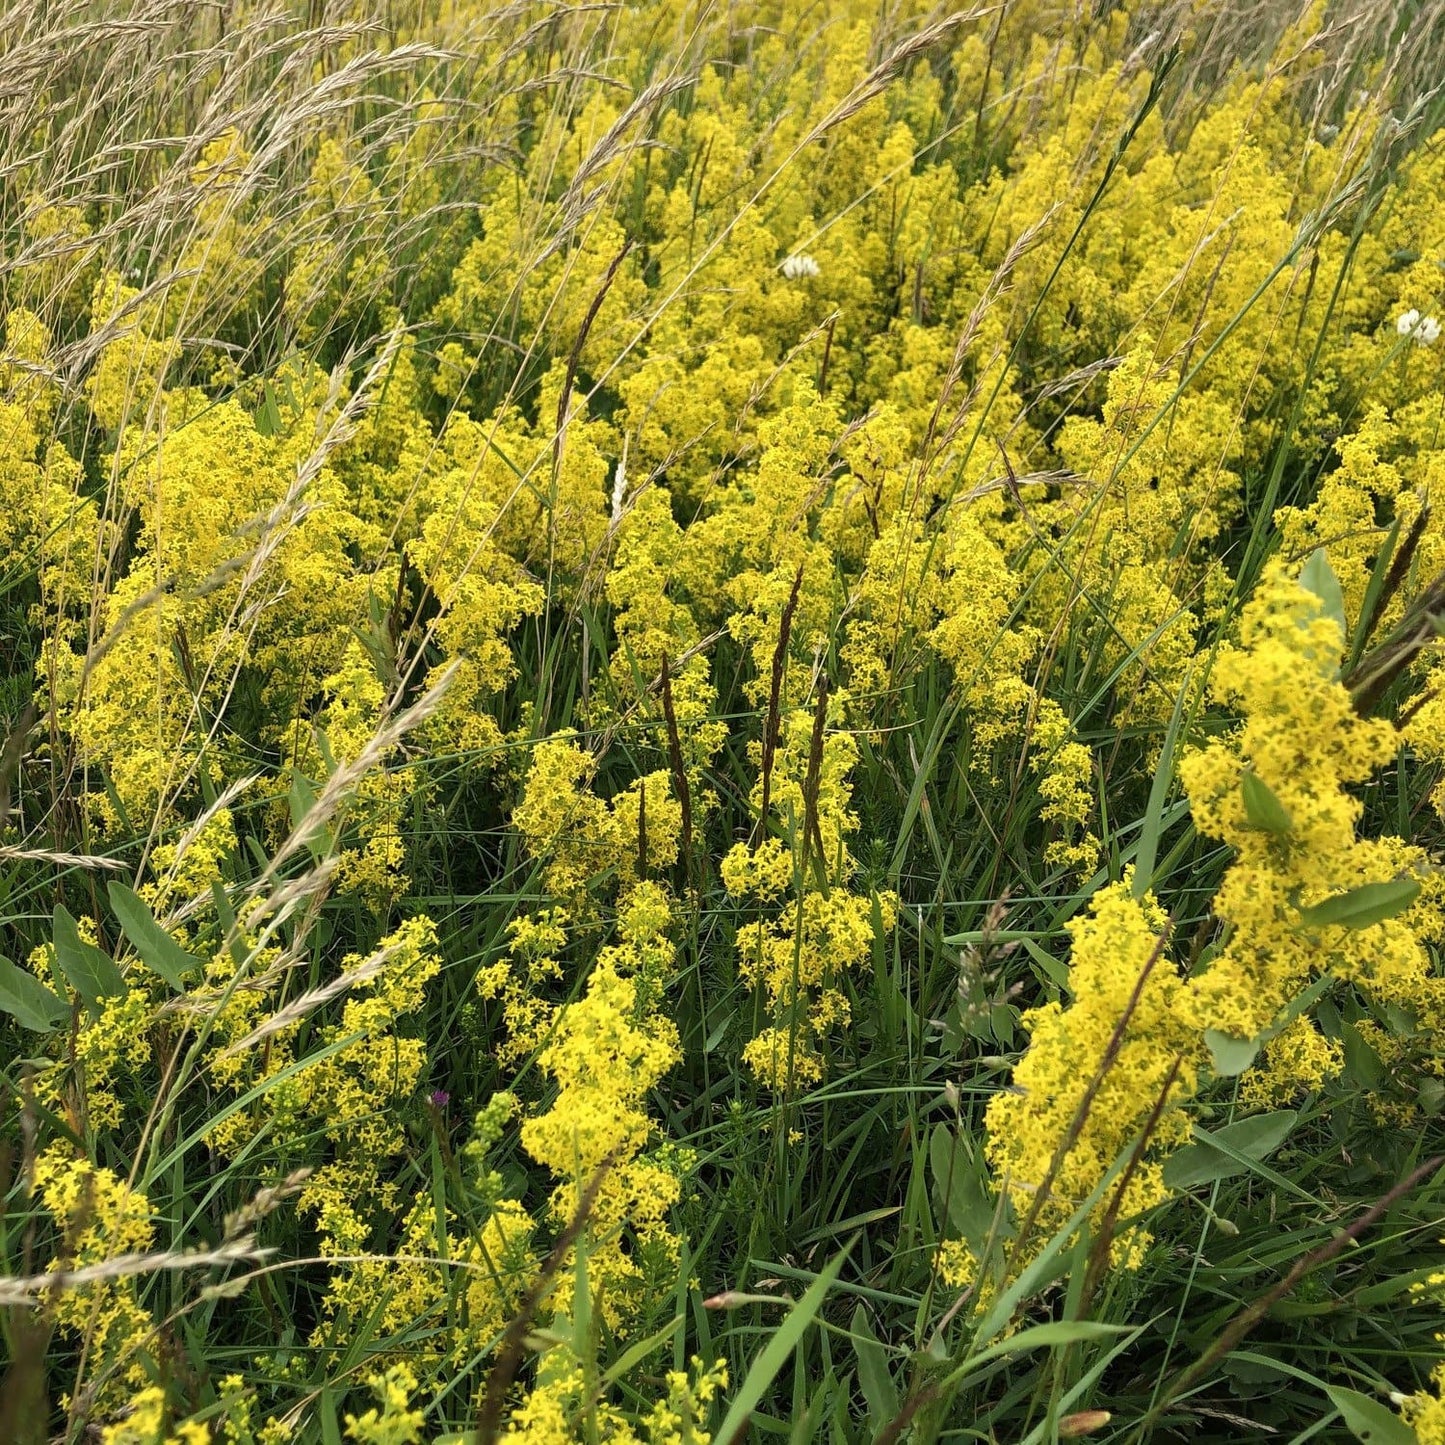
(721, 718)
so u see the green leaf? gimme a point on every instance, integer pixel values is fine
(1231, 1056)
(807, 1426)
(581, 1296)
(1157, 816)
(1363, 1065)
(302, 797)
(28, 1001)
(240, 955)
(874, 1376)
(1228, 1151)
(90, 972)
(1262, 810)
(1318, 576)
(774, 1354)
(1038, 1337)
(1360, 907)
(158, 950)
(963, 1207)
(1381, 572)
(317, 837)
(268, 414)
(636, 1353)
(330, 1427)
(1368, 1419)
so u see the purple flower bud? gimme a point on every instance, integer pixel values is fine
(440, 1098)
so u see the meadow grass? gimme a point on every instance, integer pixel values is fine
(721, 721)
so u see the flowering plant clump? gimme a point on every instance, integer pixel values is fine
(721, 718)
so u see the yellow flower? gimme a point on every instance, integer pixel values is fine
(1118, 969)
(101, 1218)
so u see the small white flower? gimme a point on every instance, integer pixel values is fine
(1329, 132)
(1407, 321)
(796, 267)
(1428, 332)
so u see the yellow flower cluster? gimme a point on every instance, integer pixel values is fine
(1425, 1413)
(100, 1218)
(146, 1424)
(664, 410)
(1279, 795)
(810, 933)
(558, 1411)
(1301, 899)
(605, 1053)
(1096, 1071)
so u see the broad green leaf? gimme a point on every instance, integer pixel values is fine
(268, 414)
(302, 797)
(963, 1208)
(1363, 1065)
(1318, 576)
(1368, 1419)
(1252, 1370)
(774, 1355)
(874, 1376)
(28, 1001)
(1228, 1151)
(90, 972)
(1278, 1366)
(1399, 1020)
(317, 837)
(1262, 810)
(227, 915)
(1231, 1056)
(1360, 907)
(158, 950)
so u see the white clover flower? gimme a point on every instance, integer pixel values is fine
(1428, 333)
(1407, 321)
(796, 267)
